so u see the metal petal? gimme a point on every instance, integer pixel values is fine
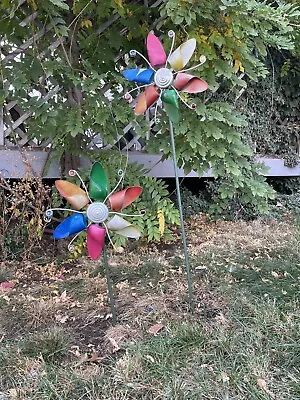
(130, 232)
(72, 193)
(190, 83)
(95, 241)
(156, 52)
(71, 225)
(146, 99)
(98, 189)
(122, 227)
(123, 198)
(116, 223)
(182, 55)
(170, 100)
(139, 75)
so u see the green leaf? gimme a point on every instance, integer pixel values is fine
(60, 3)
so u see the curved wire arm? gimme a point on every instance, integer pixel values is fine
(133, 53)
(126, 215)
(49, 212)
(202, 61)
(109, 238)
(190, 106)
(156, 107)
(70, 245)
(73, 172)
(171, 34)
(115, 188)
(138, 87)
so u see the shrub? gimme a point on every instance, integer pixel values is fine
(22, 204)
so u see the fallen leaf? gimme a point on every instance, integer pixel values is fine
(220, 318)
(7, 285)
(261, 384)
(95, 357)
(225, 378)
(150, 358)
(61, 318)
(115, 345)
(156, 328)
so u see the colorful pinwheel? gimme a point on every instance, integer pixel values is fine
(163, 82)
(98, 218)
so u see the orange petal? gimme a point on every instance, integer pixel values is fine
(72, 193)
(122, 199)
(146, 99)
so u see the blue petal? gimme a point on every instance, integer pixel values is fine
(139, 75)
(73, 224)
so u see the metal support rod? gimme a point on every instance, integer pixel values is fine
(183, 235)
(109, 286)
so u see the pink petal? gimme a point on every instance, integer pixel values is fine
(95, 240)
(123, 198)
(156, 52)
(7, 285)
(189, 83)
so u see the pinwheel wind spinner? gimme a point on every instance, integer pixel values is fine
(163, 80)
(165, 77)
(100, 216)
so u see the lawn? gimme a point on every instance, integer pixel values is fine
(242, 341)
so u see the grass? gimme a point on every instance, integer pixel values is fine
(242, 342)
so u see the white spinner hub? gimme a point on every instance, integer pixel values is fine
(97, 212)
(163, 78)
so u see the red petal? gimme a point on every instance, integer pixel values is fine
(189, 83)
(95, 241)
(156, 52)
(122, 199)
(146, 99)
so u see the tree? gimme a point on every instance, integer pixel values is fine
(93, 39)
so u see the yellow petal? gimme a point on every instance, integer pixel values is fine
(182, 55)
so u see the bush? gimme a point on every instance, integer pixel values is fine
(22, 204)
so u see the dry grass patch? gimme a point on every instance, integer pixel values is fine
(242, 341)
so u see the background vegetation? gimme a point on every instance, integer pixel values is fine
(236, 36)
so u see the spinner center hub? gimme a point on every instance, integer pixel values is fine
(163, 78)
(97, 212)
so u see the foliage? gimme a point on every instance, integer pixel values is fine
(288, 185)
(272, 110)
(154, 199)
(195, 204)
(22, 205)
(234, 35)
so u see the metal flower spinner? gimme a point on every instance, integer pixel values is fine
(165, 77)
(102, 214)
(163, 80)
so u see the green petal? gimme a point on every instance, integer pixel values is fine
(170, 100)
(98, 183)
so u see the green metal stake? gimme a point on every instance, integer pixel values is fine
(109, 286)
(183, 235)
